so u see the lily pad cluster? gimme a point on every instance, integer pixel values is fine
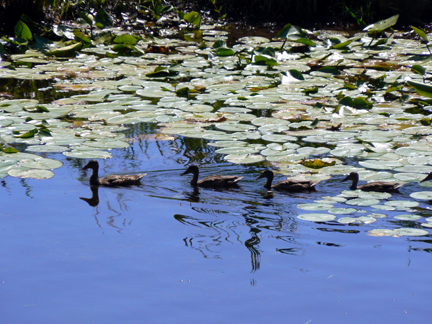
(367, 207)
(303, 102)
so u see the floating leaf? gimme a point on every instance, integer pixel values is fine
(317, 217)
(381, 25)
(422, 195)
(420, 32)
(32, 173)
(296, 74)
(222, 51)
(418, 69)
(22, 31)
(317, 163)
(421, 88)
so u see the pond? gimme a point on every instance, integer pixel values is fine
(166, 252)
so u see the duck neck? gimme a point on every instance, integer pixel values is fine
(94, 179)
(194, 181)
(269, 182)
(354, 183)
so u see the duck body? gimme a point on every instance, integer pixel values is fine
(290, 185)
(111, 180)
(217, 181)
(379, 186)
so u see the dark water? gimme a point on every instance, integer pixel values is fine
(164, 253)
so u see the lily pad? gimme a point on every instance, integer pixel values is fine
(422, 195)
(317, 217)
(88, 154)
(32, 173)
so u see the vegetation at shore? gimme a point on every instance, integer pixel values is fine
(305, 13)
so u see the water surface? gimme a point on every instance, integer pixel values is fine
(165, 253)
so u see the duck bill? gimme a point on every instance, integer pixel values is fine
(347, 178)
(184, 173)
(260, 177)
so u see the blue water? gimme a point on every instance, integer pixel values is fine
(162, 253)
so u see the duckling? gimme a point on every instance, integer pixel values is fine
(292, 185)
(380, 186)
(428, 177)
(111, 180)
(218, 181)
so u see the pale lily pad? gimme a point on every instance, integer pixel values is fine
(41, 163)
(244, 158)
(374, 195)
(88, 154)
(357, 220)
(382, 232)
(428, 224)
(422, 195)
(32, 173)
(278, 138)
(362, 202)
(411, 232)
(342, 211)
(383, 207)
(315, 206)
(408, 217)
(317, 217)
(106, 144)
(377, 215)
(235, 127)
(237, 150)
(402, 203)
(47, 148)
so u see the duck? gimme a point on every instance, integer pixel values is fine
(217, 181)
(292, 185)
(428, 177)
(115, 180)
(380, 186)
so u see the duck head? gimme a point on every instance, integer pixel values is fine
(192, 169)
(93, 164)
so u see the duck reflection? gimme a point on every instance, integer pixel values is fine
(192, 196)
(215, 232)
(94, 200)
(250, 244)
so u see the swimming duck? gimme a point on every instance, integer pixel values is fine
(380, 186)
(292, 185)
(218, 181)
(428, 177)
(111, 180)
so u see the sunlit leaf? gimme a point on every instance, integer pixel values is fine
(421, 88)
(381, 25)
(22, 31)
